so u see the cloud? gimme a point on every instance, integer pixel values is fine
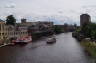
(62, 10)
(10, 5)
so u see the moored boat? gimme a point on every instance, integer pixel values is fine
(23, 40)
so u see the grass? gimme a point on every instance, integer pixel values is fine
(90, 48)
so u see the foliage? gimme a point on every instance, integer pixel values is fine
(78, 30)
(10, 20)
(57, 29)
(89, 30)
(90, 48)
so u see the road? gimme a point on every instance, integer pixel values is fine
(65, 50)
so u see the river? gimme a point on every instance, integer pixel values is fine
(65, 50)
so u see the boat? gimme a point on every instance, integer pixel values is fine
(23, 40)
(51, 40)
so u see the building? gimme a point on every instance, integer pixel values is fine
(45, 26)
(38, 29)
(22, 29)
(64, 28)
(84, 19)
(40, 26)
(25, 23)
(8, 31)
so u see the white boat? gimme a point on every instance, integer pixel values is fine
(23, 40)
(51, 40)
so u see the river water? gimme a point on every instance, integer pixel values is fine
(65, 50)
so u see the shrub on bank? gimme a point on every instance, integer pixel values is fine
(90, 48)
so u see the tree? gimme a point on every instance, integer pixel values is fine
(10, 20)
(57, 29)
(89, 30)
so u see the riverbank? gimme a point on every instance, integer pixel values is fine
(88, 44)
(90, 49)
(35, 38)
(5, 44)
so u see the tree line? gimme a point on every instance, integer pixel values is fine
(88, 30)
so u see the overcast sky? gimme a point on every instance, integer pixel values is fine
(58, 11)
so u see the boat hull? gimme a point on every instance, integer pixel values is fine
(23, 41)
(52, 41)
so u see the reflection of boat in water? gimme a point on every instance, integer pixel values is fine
(51, 40)
(23, 40)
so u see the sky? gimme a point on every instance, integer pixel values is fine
(58, 11)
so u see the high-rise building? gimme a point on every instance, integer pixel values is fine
(84, 19)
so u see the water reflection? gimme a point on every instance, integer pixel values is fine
(65, 50)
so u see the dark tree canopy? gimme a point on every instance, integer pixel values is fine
(10, 20)
(57, 29)
(89, 30)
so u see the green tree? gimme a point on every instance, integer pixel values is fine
(89, 30)
(86, 30)
(10, 20)
(57, 29)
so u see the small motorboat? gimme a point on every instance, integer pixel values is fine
(51, 40)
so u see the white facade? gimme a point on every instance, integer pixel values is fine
(9, 31)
